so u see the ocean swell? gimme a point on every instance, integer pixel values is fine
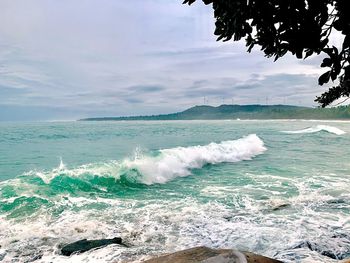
(164, 165)
(319, 128)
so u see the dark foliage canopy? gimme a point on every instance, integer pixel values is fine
(301, 27)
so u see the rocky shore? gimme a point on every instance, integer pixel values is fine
(209, 255)
(192, 255)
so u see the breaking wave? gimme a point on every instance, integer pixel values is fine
(178, 162)
(166, 164)
(319, 128)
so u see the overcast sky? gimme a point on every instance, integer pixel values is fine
(71, 59)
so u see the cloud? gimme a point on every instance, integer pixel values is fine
(100, 57)
(133, 100)
(7, 93)
(272, 89)
(146, 88)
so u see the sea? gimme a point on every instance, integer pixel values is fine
(279, 188)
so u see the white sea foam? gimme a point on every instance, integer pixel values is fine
(156, 226)
(178, 162)
(319, 128)
(168, 164)
(153, 227)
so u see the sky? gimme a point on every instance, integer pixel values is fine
(65, 60)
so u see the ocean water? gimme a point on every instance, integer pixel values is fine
(277, 188)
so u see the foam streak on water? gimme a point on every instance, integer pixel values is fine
(319, 128)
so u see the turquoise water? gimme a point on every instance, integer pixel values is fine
(278, 188)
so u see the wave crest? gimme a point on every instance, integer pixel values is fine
(319, 128)
(178, 162)
(166, 165)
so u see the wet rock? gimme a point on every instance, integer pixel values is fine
(336, 201)
(341, 235)
(303, 244)
(35, 257)
(280, 207)
(85, 245)
(2, 254)
(321, 250)
(208, 255)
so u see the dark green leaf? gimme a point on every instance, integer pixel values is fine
(324, 78)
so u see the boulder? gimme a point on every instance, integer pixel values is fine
(208, 255)
(323, 250)
(85, 245)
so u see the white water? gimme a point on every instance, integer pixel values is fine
(319, 128)
(178, 162)
(169, 164)
(247, 224)
(268, 206)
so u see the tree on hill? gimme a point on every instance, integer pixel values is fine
(300, 27)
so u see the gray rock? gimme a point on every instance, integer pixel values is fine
(85, 245)
(2, 254)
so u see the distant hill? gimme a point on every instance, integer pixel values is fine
(205, 112)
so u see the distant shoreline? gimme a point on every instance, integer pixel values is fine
(242, 112)
(233, 120)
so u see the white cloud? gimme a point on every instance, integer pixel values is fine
(87, 57)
